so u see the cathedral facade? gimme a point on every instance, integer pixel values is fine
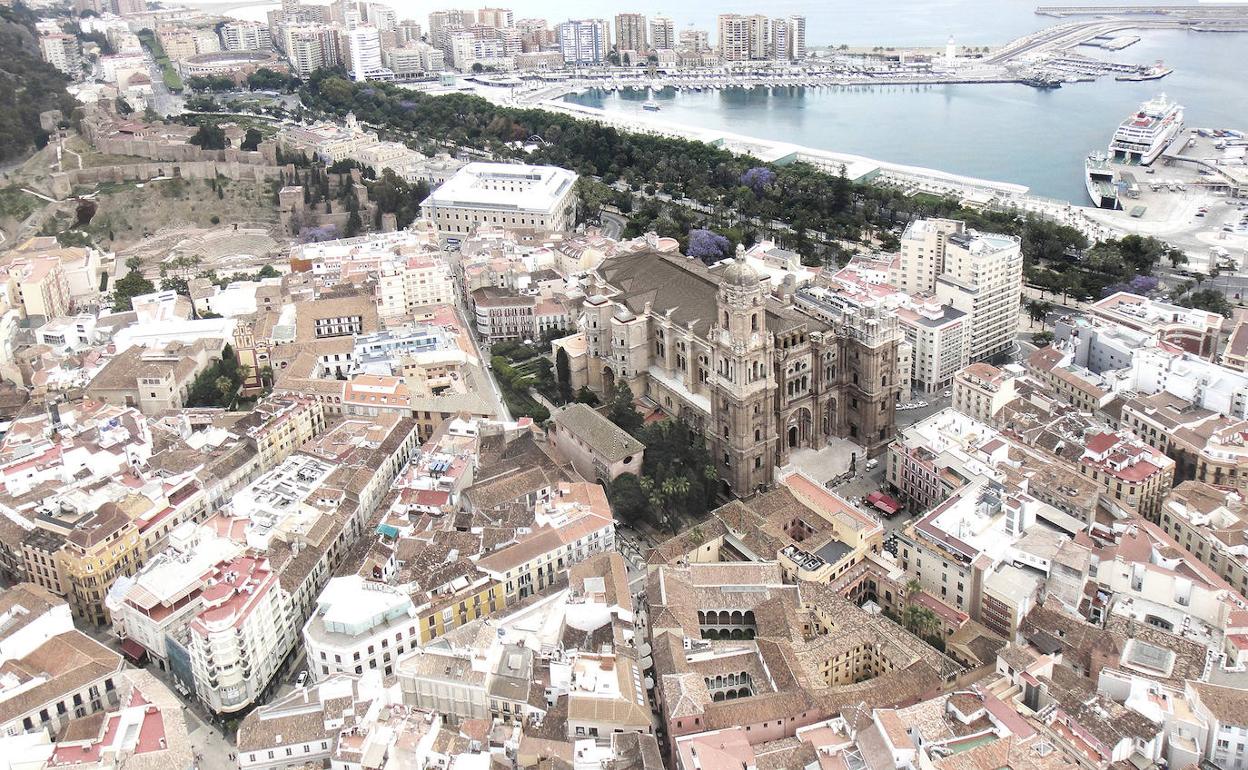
(757, 376)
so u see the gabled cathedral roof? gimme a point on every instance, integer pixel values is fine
(687, 287)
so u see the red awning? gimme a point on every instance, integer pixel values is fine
(136, 652)
(885, 503)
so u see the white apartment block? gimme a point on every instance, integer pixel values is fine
(745, 38)
(980, 274)
(63, 52)
(662, 33)
(406, 284)
(246, 36)
(584, 41)
(503, 194)
(939, 337)
(359, 626)
(242, 634)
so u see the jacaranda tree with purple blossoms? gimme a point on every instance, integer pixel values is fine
(758, 179)
(708, 246)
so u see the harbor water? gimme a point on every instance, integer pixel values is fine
(1006, 132)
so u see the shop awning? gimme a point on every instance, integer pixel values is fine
(134, 652)
(885, 503)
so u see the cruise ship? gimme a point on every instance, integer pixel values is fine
(1102, 181)
(1144, 135)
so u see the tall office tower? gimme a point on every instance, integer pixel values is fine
(584, 41)
(630, 32)
(797, 37)
(499, 18)
(662, 33)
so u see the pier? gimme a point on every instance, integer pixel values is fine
(1221, 10)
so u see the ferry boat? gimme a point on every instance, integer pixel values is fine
(1147, 133)
(651, 105)
(1101, 181)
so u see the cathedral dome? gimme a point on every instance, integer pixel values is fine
(740, 275)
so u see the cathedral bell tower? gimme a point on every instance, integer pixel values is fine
(742, 427)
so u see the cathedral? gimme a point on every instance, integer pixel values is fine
(756, 375)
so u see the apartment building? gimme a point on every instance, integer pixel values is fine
(939, 338)
(573, 525)
(1206, 522)
(63, 52)
(37, 286)
(501, 315)
(403, 285)
(1135, 476)
(358, 626)
(158, 603)
(661, 33)
(246, 36)
(630, 32)
(99, 549)
(240, 637)
(981, 391)
(584, 42)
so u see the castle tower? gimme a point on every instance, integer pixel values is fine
(741, 430)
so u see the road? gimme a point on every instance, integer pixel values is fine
(164, 101)
(496, 395)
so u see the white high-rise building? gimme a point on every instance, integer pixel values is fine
(980, 274)
(366, 64)
(780, 39)
(662, 33)
(310, 47)
(797, 37)
(734, 37)
(62, 51)
(246, 36)
(742, 38)
(584, 41)
(242, 634)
